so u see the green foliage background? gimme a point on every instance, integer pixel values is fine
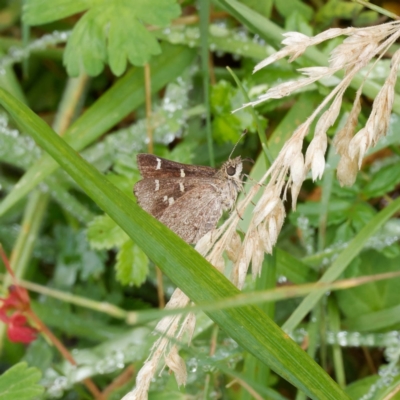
(72, 226)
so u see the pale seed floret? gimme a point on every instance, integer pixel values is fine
(315, 156)
(347, 170)
(257, 257)
(175, 362)
(297, 169)
(241, 266)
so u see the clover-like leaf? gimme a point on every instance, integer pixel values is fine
(109, 32)
(86, 48)
(132, 264)
(20, 382)
(104, 233)
(383, 181)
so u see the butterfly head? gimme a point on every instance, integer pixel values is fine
(232, 171)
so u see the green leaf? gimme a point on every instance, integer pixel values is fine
(262, 7)
(248, 325)
(129, 40)
(39, 354)
(373, 296)
(20, 382)
(227, 126)
(337, 210)
(167, 394)
(126, 178)
(73, 257)
(289, 7)
(343, 233)
(361, 387)
(366, 18)
(132, 264)
(383, 181)
(108, 33)
(376, 387)
(337, 9)
(294, 269)
(86, 49)
(16, 149)
(68, 201)
(104, 233)
(360, 214)
(38, 12)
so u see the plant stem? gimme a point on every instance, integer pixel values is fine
(204, 22)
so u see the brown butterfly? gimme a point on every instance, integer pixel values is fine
(188, 199)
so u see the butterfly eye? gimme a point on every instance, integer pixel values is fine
(231, 170)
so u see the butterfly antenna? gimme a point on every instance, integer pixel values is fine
(237, 212)
(234, 147)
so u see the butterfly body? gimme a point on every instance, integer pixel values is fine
(189, 199)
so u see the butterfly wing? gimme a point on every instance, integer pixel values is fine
(151, 166)
(194, 214)
(183, 197)
(155, 195)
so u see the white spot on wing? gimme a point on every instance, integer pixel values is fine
(181, 187)
(158, 163)
(171, 201)
(182, 174)
(165, 198)
(157, 184)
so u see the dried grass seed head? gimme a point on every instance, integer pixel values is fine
(295, 191)
(189, 326)
(233, 249)
(268, 231)
(298, 170)
(347, 170)
(265, 206)
(342, 138)
(269, 226)
(315, 156)
(293, 146)
(257, 257)
(242, 264)
(175, 362)
(264, 238)
(359, 145)
(378, 121)
(143, 380)
(296, 43)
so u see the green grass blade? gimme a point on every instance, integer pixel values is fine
(126, 95)
(261, 132)
(382, 319)
(248, 325)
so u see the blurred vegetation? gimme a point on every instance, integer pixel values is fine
(78, 65)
